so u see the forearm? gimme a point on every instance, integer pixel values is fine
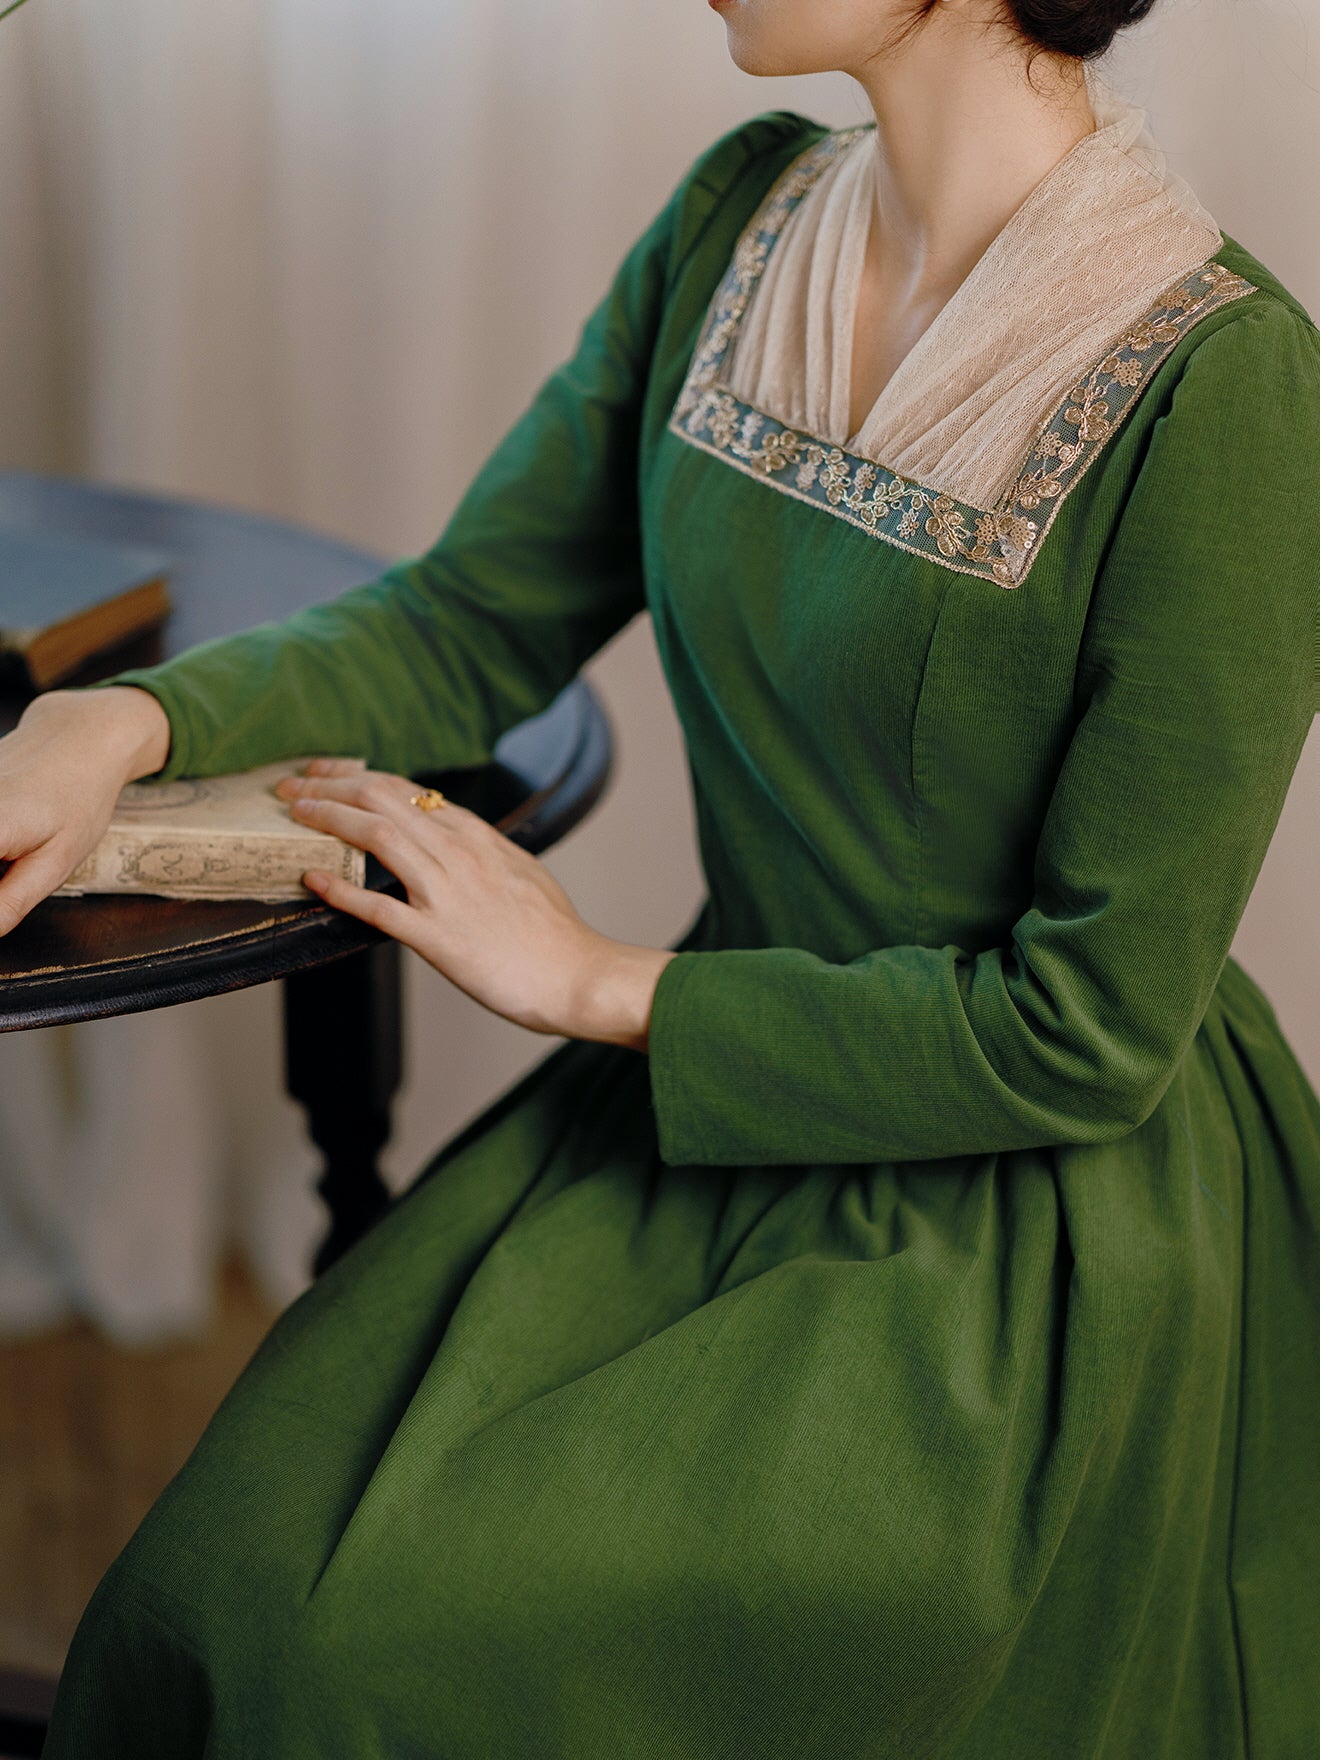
(428, 665)
(360, 675)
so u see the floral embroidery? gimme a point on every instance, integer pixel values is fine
(998, 543)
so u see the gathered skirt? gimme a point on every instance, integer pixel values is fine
(581, 1455)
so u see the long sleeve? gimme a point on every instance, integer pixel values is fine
(427, 665)
(1196, 686)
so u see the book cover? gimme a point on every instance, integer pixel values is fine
(64, 599)
(213, 837)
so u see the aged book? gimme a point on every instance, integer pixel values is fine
(213, 837)
(63, 600)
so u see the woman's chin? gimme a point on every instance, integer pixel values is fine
(756, 57)
(757, 48)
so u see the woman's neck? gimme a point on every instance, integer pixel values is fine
(961, 141)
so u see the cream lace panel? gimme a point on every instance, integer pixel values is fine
(999, 542)
(1106, 231)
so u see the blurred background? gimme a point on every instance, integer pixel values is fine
(311, 259)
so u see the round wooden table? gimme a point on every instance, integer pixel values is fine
(75, 959)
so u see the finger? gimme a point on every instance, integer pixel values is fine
(364, 788)
(388, 840)
(308, 781)
(380, 791)
(334, 766)
(384, 792)
(28, 879)
(380, 909)
(392, 797)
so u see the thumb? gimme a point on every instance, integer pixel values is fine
(26, 881)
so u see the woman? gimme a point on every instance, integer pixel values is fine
(915, 1353)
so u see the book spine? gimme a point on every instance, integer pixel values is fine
(201, 864)
(55, 652)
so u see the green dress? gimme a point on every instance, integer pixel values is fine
(917, 1353)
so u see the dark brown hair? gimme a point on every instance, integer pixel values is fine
(1082, 28)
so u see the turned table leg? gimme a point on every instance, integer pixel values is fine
(343, 1059)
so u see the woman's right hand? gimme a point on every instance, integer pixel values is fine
(61, 770)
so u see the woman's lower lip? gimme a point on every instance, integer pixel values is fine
(719, 5)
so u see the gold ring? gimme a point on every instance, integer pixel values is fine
(428, 800)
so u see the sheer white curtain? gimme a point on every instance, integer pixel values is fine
(311, 258)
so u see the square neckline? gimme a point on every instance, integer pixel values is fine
(996, 543)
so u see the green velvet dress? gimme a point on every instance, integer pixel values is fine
(917, 1353)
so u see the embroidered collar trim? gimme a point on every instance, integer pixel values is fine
(996, 543)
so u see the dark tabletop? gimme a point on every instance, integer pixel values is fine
(78, 958)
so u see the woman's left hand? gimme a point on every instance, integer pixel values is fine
(483, 911)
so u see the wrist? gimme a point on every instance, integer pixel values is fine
(616, 991)
(131, 724)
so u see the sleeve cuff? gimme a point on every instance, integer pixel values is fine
(669, 1036)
